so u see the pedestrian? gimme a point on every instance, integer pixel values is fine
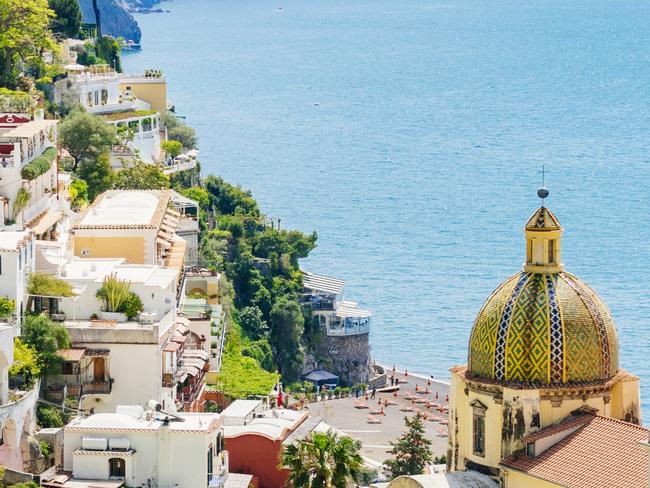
(392, 381)
(356, 392)
(374, 392)
(406, 373)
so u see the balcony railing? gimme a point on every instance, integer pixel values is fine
(342, 330)
(97, 388)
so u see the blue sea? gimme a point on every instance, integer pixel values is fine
(411, 135)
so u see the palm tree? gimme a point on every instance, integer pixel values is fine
(322, 460)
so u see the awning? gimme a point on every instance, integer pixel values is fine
(179, 338)
(172, 347)
(193, 362)
(43, 223)
(74, 354)
(196, 353)
(163, 242)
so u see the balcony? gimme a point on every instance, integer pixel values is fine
(97, 388)
(346, 331)
(349, 326)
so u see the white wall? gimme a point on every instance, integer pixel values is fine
(136, 370)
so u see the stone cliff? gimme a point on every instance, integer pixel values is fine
(116, 20)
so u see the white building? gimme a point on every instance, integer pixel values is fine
(107, 348)
(28, 162)
(17, 257)
(16, 405)
(137, 225)
(102, 91)
(138, 448)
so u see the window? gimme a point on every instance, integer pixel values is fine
(116, 468)
(551, 257)
(478, 428)
(479, 434)
(210, 462)
(96, 97)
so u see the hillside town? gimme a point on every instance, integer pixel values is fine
(159, 330)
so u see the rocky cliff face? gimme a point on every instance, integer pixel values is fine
(140, 5)
(115, 18)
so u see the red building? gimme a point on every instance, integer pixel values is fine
(254, 439)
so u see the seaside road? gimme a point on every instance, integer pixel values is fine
(376, 438)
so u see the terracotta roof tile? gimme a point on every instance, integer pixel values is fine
(603, 452)
(567, 424)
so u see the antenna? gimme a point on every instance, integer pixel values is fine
(542, 192)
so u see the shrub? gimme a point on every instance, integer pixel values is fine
(7, 307)
(78, 193)
(132, 307)
(25, 364)
(39, 165)
(50, 416)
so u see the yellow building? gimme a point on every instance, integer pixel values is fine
(150, 87)
(138, 225)
(543, 351)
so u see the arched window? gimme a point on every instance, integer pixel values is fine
(116, 468)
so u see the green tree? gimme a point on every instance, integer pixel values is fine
(183, 134)
(322, 460)
(138, 175)
(172, 148)
(67, 18)
(26, 363)
(412, 452)
(109, 50)
(85, 137)
(98, 174)
(46, 337)
(198, 194)
(24, 36)
(287, 323)
(252, 323)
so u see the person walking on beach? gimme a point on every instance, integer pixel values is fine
(374, 392)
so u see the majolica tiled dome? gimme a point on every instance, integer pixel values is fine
(543, 328)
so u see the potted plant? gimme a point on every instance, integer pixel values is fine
(337, 392)
(114, 295)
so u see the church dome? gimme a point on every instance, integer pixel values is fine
(543, 325)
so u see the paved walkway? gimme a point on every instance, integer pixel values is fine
(376, 438)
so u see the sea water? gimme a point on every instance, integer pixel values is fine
(411, 136)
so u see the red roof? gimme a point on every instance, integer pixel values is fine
(601, 452)
(74, 354)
